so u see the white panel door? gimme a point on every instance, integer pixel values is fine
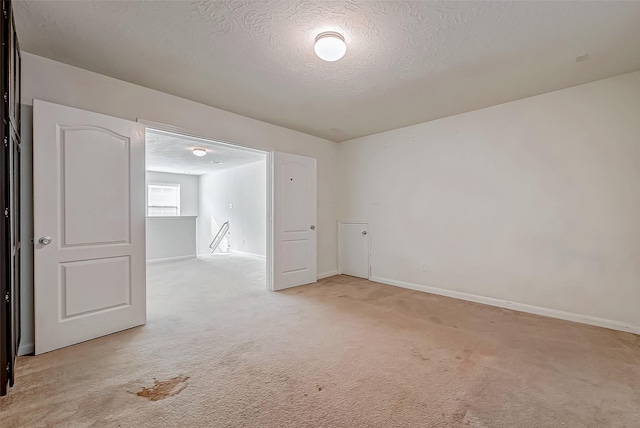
(295, 208)
(89, 213)
(353, 249)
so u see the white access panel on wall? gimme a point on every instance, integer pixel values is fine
(89, 213)
(353, 248)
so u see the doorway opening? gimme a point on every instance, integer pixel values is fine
(207, 212)
(97, 237)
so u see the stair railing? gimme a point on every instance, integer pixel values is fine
(219, 236)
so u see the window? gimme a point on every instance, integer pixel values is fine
(163, 199)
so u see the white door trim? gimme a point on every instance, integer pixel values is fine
(270, 222)
(160, 127)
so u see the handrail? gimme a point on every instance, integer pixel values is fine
(219, 236)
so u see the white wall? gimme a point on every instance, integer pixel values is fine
(171, 238)
(55, 82)
(243, 188)
(535, 202)
(188, 189)
(174, 237)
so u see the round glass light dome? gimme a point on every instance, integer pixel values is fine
(199, 152)
(330, 46)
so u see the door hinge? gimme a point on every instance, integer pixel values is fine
(6, 143)
(7, 297)
(6, 212)
(6, 97)
(8, 367)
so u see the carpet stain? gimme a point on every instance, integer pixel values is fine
(459, 417)
(436, 320)
(486, 350)
(416, 353)
(466, 367)
(162, 389)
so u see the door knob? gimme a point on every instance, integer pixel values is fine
(312, 227)
(45, 240)
(364, 232)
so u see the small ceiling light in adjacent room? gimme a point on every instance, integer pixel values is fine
(330, 46)
(199, 152)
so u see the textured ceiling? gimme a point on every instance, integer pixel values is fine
(168, 152)
(406, 63)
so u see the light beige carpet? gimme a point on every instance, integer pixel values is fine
(218, 351)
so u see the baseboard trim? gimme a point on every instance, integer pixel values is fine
(26, 349)
(244, 253)
(327, 274)
(537, 310)
(172, 259)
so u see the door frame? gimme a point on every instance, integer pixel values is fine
(340, 223)
(268, 182)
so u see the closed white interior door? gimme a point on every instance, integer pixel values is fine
(353, 249)
(295, 205)
(89, 213)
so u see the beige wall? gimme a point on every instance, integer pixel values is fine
(534, 202)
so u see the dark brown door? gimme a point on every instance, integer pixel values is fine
(9, 199)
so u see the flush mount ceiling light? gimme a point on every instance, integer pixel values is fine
(330, 46)
(199, 152)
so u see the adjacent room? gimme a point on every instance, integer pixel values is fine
(204, 199)
(206, 214)
(320, 214)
